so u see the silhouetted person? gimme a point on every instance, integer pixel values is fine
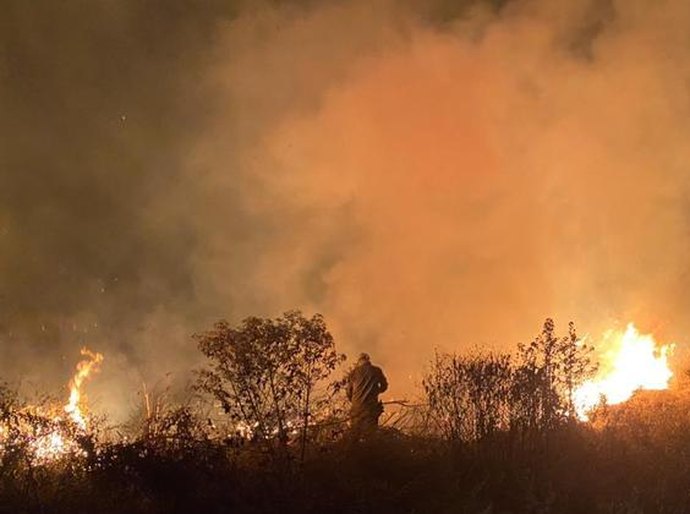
(364, 384)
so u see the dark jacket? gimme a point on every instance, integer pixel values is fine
(364, 385)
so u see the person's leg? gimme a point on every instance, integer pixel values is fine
(370, 423)
(356, 425)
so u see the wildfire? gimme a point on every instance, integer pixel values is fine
(48, 447)
(48, 436)
(631, 362)
(84, 369)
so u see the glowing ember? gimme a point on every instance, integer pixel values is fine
(84, 369)
(631, 361)
(48, 447)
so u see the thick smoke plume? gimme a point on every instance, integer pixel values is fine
(425, 174)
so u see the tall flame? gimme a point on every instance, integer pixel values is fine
(84, 368)
(50, 440)
(631, 362)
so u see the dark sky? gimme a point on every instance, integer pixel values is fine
(99, 102)
(93, 126)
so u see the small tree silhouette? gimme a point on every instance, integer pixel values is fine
(266, 372)
(472, 397)
(548, 371)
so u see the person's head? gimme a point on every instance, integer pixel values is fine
(363, 359)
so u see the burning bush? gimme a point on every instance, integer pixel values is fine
(41, 432)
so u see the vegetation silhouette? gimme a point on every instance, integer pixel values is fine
(264, 429)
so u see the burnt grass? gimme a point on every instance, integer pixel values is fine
(635, 460)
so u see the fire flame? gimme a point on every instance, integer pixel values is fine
(631, 362)
(51, 439)
(54, 444)
(84, 368)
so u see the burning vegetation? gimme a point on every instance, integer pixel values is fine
(43, 431)
(84, 369)
(629, 362)
(267, 406)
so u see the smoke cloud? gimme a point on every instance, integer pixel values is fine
(425, 174)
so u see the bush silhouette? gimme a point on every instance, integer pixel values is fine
(269, 374)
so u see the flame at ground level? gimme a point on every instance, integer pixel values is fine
(51, 438)
(630, 362)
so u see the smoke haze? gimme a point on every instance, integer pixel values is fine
(425, 174)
